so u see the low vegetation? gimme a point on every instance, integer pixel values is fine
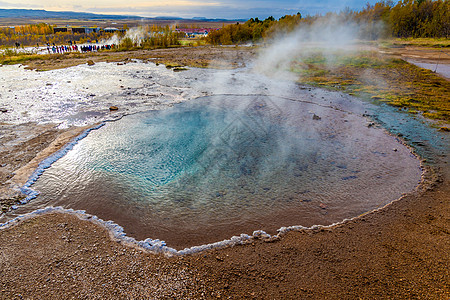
(12, 56)
(378, 78)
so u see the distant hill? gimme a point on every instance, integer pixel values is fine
(44, 14)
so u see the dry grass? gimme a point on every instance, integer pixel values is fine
(422, 42)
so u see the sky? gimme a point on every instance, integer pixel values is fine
(228, 9)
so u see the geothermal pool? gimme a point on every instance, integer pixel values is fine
(210, 168)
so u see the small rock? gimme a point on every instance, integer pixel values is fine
(370, 124)
(3, 110)
(394, 149)
(444, 129)
(323, 206)
(90, 63)
(111, 108)
(316, 117)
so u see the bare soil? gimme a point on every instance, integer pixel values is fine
(398, 252)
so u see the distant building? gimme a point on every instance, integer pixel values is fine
(92, 29)
(60, 29)
(78, 29)
(113, 30)
(195, 32)
(86, 30)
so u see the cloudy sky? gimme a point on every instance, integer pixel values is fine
(230, 9)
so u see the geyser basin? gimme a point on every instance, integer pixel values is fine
(215, 167)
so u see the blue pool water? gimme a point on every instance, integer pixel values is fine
(214, 167)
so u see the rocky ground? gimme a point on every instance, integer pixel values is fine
(399, 252)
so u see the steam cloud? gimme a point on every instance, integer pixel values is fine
(326, 35)
(136, 34)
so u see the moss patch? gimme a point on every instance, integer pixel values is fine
(379, 78)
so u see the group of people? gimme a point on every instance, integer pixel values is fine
(61, 49)
(90, 48)
(73, 47)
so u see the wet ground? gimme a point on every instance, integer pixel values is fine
(217, 167)
(82, 95)
(434, 59)
(399, 251)
(437, 67)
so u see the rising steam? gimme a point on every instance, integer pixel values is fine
(135, 34)
(325, 36)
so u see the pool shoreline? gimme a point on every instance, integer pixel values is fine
(318, 263)
(117, 233)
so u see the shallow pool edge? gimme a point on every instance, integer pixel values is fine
(157, 246)
(47, 162)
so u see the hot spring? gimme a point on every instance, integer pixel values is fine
(207, 169)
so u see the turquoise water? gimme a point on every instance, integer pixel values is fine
(215, 167)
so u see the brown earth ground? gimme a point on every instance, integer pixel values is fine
(400, 251)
